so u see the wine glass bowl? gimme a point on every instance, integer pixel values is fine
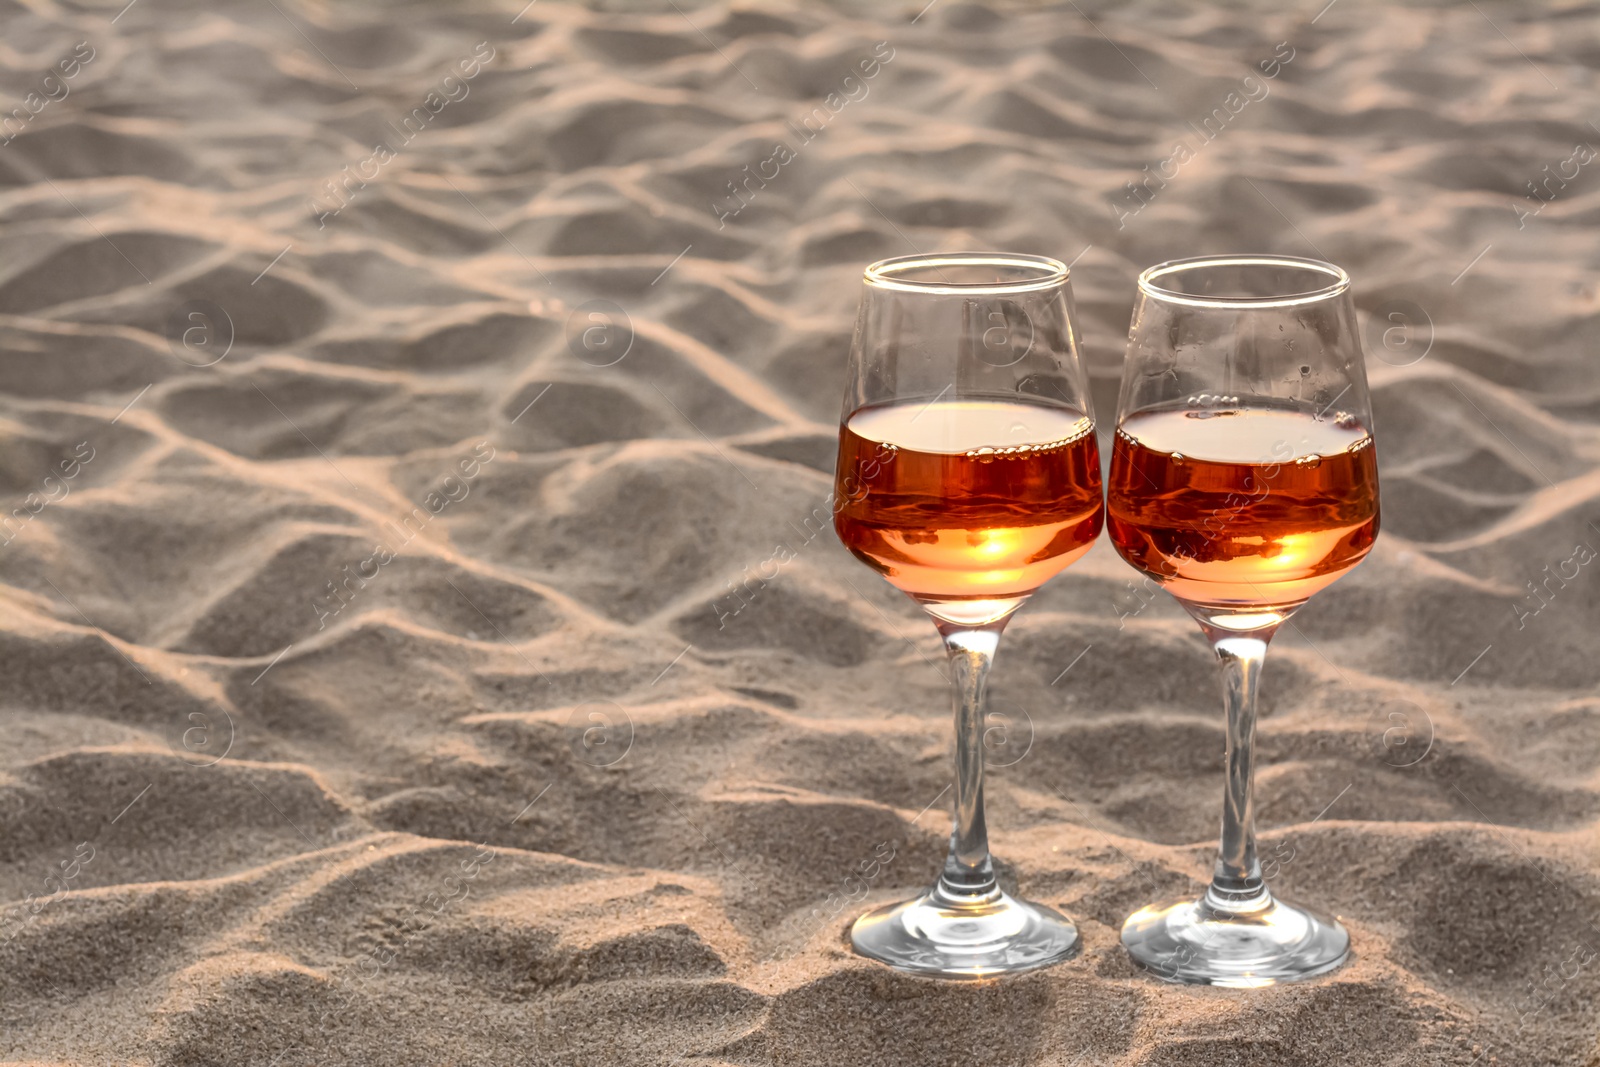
(1243, 472)
(968, 475)
(988, 498)
(1243, 480)
(1243, 506)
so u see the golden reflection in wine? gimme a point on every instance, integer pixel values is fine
(971, 499)
(1256, 506)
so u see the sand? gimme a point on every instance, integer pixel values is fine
(374, 692)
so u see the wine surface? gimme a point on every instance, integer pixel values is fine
(1257, 506)
(968, 499)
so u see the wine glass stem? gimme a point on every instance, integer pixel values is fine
(1237, 885)
(968, 875)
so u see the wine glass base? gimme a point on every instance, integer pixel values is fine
(945, 937)
(1191, 943)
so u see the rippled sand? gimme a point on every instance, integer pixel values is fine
(374, 694)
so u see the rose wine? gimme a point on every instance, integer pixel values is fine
(968, 499)
(1258, 506)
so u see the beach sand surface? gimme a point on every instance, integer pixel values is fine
(385, 442)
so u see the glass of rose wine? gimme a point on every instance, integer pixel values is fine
(968, 476)
(1243, 480)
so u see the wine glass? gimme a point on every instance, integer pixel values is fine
(1243, 479)
(968, 475)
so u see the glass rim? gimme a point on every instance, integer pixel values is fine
(1340, 281)
(1051, 272)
